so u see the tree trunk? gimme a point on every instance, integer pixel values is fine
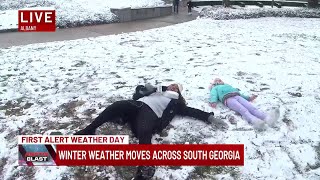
(313, 3)
(226, 3)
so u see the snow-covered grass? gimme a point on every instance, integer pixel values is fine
(71, 12)
(220, 13)
(64, 85)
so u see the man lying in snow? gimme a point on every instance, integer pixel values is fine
(150, 111)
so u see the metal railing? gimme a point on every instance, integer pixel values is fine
(242, 3)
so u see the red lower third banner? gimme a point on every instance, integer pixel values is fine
(150, 155)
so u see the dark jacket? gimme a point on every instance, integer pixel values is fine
(190, 4)
(175, 107)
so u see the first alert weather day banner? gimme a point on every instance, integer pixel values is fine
(116, 151)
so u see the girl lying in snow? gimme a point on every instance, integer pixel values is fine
(236, 101)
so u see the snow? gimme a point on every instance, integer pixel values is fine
(54, 172)
(70, 13)
(4, 149)
(8, 19)
(200, 8)
(275, 58)
(167, 174)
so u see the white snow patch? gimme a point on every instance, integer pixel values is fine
(4, 150)
(55, 172)
(168, 174)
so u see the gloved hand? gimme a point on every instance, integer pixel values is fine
(218, 123)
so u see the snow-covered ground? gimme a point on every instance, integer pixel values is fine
(64, 85)
(72, 12)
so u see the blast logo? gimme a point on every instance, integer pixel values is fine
(37, 156)
(36, 20)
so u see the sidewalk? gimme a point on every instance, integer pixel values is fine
(22, 38)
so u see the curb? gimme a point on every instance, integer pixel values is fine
(8, 30)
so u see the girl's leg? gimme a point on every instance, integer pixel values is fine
(253, 110)
(112, 113)
(233, 104)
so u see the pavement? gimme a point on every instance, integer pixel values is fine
(8, 39)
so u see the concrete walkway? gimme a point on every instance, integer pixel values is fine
(22, 38)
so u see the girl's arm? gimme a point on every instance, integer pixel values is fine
(213, 96)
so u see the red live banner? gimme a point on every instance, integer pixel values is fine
(150, 155)
(36, 20)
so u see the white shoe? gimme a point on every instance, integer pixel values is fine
(273, 117)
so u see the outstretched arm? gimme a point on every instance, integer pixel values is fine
(194, 113)
(213, 96)
(203, 116)
(213, 100)
(184, 110)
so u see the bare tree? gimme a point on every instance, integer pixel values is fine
(313, 3)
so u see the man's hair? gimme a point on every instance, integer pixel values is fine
(181, 99)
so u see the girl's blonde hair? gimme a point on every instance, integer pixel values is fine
(213, 83)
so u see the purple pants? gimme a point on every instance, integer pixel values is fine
(245, 108)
